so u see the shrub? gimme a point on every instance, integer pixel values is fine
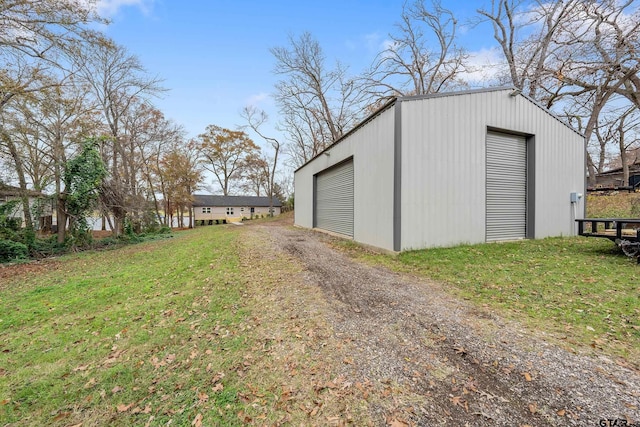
(12, 251)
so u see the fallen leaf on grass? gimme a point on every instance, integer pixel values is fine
(527, 376)
(90, 383)
(197, 421)
(533, 408)
(561, 412)
(4, 402)
(218, 387)
(124, 408)
(61, 416)
(116, 389)
(315, 410)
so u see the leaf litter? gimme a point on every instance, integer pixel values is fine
(385, 338)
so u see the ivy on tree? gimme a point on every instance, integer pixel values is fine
(83, 177)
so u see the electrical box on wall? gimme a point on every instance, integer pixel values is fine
(575, 197)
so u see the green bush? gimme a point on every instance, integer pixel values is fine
(12, 251)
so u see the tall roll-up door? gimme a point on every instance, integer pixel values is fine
(506, 186)
(334, 199)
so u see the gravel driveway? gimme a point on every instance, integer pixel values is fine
(448, 362)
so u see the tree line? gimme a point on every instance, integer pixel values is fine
(67, 89)
(579, 58)
(67, 92)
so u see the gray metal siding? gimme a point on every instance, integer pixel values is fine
(334, 199)
(372, 148)
(506, 205)
(444, 167)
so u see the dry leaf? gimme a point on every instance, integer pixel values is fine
(61, 416)
(116, 389)
(197, 421)
(561, 412)
(527, 376)
(124, 408)
(533, 408)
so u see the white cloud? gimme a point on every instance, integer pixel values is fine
(484, 66)
(109, 8)
(255, 100)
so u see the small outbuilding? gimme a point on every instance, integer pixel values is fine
(213, 209)
(615, 177)
(447, 169)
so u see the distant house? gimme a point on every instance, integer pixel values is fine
(37, 202)
(615, 177)
(209, 209)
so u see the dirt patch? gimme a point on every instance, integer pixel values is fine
(431, 359)
(32, 267)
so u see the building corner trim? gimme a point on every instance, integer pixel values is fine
(397, 177)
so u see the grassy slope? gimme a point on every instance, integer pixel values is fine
(619, 205)
(124, 336)
(201, 329)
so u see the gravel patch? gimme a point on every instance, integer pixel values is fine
(447, 362)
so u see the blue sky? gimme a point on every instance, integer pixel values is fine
(214, 54)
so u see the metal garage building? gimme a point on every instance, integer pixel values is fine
(446, 169)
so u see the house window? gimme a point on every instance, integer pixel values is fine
(229, 211)
(206, 210)
(241, 209)
(253, 210)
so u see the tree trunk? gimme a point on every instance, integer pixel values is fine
(61, 218)
(17, 160)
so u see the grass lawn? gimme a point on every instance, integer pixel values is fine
(582, 291)
(177, 331)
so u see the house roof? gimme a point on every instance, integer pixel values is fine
(633, 167)
(200, 200)
(11, 191)
(394, 100)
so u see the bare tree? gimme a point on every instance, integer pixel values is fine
(620, 128)
(318, 103)
(256, 119)
(413, 65)
(34, 36)
(526, 58)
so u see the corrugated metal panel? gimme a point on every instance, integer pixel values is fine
(506, 187)
(334, 199)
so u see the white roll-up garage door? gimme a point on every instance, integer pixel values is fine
(334, 199)
(506, 186)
